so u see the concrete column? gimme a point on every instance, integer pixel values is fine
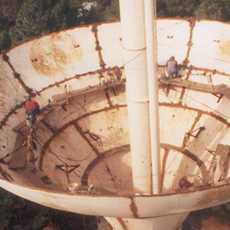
(151, 41)
(134, 44)
(173, 222)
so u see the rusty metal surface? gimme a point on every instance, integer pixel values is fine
(94, 115)
(49, 56)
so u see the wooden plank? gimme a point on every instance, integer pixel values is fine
(62, 98)
(207, 88)
(189, 85)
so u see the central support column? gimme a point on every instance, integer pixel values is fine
(173, 222)
(151, 41)
(134, 45)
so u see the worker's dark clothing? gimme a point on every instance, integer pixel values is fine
(118, 73)
(172, 68)
(184, 183)
(32, 109)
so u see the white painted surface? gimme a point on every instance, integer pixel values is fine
(134, 45)
(56, 59)
(111, 43)
(173, 37)
(178, 112)
(145, 206)
(213, 51)
(152, 76)
(11, 92)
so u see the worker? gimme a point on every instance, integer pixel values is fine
(185, 184)
(32, 108)
(117, 72)
(172, 67)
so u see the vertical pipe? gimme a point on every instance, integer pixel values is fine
(134, 44)
(173, 222)
(151, 41)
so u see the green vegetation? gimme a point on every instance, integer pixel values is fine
(18, 214)
(31, 18)
(36, 17)
(202, 9)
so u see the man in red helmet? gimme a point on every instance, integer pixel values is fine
(32, 108)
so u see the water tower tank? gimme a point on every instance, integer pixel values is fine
(78, 158)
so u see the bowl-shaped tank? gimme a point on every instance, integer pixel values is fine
(77, 158)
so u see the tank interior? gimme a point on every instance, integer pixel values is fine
(80, 141)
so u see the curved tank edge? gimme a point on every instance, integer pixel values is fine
(138, 206)
(105, 23)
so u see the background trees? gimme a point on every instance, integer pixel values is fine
(18, 214)
(174, 8)
(35, 18)
(23, 19)
(214, 9)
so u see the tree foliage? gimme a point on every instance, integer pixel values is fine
(174, 8)
(214, 9)
(31, 18)
(37, 17)
(4, 40)
(19, 214)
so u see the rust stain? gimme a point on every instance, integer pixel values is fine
(3, 122)
(16, 75)
(200, 163)
(133, 208)
(186, 137)
(94, 137)
(98, 47)
(212, 71)
(50, 55)
(225, 48)
(80, 131)
(79, 76)
(191, 156)
(67, 169)
(122, 223)
(5, 175)
(108, 97)
(219, 97)
(163, 169)
(112, 152)
(183, 89)
(113, 179)
(192, 23)
(48, 126)
(56, 84)
(101, 157)
(48, 142)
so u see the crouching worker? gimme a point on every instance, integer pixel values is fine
(185, 184)
(32, 108)
(172, 68)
